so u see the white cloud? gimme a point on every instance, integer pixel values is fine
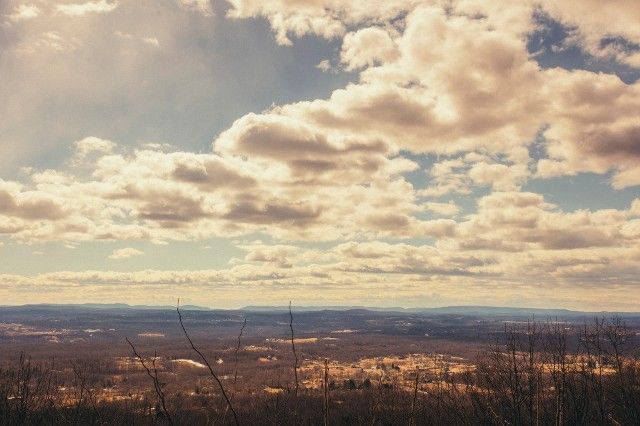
(24, 12)
(371, 272)
(500, 176)
(367, 47)
(409, 97)
(595, 21)
(326, 18)
(51, 41)
(91, 145)
(82, 9)
(324, 65)
(201, 6)
(125, 253)
(148, 40)
(152, 41)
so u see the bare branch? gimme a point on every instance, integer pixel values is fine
(154, 378)
(293, 348)
(235, 366)
(206, 362)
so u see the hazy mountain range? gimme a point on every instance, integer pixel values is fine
(451, 310)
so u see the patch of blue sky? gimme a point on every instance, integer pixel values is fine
(241, 69)
(419, 177)
(32, 259)
(572, 193)
(548, 47)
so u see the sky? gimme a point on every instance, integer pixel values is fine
(411, 153)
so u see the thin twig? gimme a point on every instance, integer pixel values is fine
(154, 378)
(82, 381)
(293, 348)
(206, 362)
(235, 369)
(235, 366)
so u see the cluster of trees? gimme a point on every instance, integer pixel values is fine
(535, 373)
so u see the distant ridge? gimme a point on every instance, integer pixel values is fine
(458, 310)
(450, 310)
(105, 306)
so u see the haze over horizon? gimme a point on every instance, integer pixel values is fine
(414, 153)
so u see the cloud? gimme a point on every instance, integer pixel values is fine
(407, 102)
(407, 97)
(326, 18)
(91, 145)
(152, 41)
(278, 254)
(500, 176)
(527, 222)
(594, 24)
(82, 9)
(24, 12)
(125, 253)
(78, 94)
(595, 128)
(51, 41)
(370, 272)
(188, 196)
(596, 28)
(409, 90)
(324, 65)
(202, 6)
(335, 168)
(29, 205)
(367, 47)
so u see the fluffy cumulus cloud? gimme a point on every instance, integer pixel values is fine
(296, 186)
(452, 82)
(327, 18)
(367, 47)
(457, 76)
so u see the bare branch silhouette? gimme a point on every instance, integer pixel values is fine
(154, 378)
(235, 366)
(206, 362)
(235, 369)
(293, 348)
